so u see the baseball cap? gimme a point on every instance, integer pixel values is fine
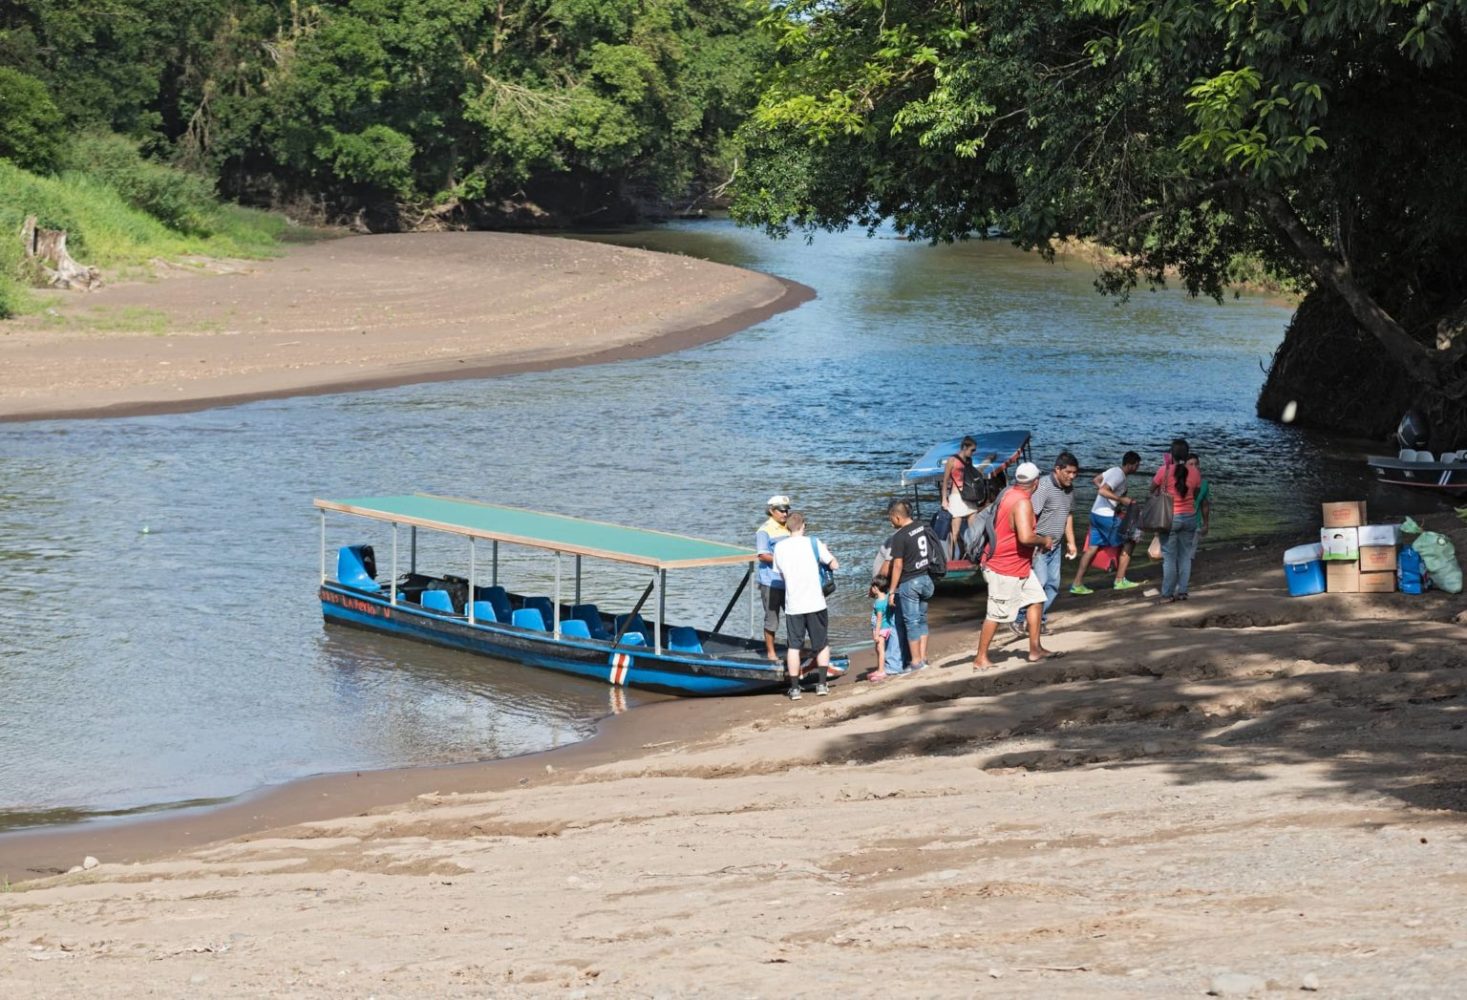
(1027, 472)
(778, 500)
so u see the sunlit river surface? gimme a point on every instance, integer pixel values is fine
(160, 640)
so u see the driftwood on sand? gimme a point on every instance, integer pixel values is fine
(46, 248)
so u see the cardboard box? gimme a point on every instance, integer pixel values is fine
(1339, 544)
(1344, 514)
(1378, 583)
(1376, 558)
(1342, 577)
(1378, 534)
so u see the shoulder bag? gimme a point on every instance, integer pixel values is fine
(827, 575)
(1157, 514)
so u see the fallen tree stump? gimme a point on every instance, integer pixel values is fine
(46, 249)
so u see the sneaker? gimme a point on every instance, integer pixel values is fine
(822, 689)
(1124, 584)
(1018, 630)
(916, 667)
(1080, 590)
(794, 692)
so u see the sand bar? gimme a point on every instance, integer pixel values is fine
(365, 312)
(1243, 793)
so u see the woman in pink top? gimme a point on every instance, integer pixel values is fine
(1180, 482)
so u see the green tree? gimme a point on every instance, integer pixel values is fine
(30, 124)
(1322, 137)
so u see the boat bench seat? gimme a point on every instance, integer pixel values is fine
(574, 628)
(351, 568)
(529, 618)
(484, 612)
(682, 639)
(437, 600)
(542, 605)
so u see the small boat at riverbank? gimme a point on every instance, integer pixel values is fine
(1445, 474)
(924, 479)
(623, 650)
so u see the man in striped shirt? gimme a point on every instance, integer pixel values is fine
(1054, 502)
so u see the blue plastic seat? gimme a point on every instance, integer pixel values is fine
(682, 639)
(591, 615)
(351, 569)
(437, 600)
(634, 623)
(484, 612)
(528, 618)
(542, 605)
(574, 628)
(634, 639)
(497, 597)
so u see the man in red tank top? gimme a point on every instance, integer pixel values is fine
(1009, 570)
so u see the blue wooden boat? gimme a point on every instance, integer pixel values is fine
(576, 637)
(924, 479)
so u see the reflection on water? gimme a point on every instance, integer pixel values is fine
(159, 636)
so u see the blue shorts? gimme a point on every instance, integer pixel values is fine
(1104, 531)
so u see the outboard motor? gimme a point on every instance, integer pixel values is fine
(1413, 431)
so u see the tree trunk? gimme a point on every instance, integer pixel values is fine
(1420, 362)
(47, 249)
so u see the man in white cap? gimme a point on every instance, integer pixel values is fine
(771, 584)
(1009, 569)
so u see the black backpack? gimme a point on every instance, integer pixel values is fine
(975, 484)
(937, 560)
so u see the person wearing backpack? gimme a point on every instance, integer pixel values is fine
(1053, 501)
(799, 561)
(916, 555)
(964, 490)
(1008, 567)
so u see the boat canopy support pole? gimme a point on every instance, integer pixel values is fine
(472, 549)
(635, 611)
(494, 573)
(556, 608)
(323, 546)
(728, 609)
(394, 563)
(413, 550)
(578, 579)
(753, 628)
(661, 611)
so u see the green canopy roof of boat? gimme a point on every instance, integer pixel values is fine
(556, 532)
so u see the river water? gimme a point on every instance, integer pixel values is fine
(160, 642)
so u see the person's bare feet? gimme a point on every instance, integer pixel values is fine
(983, 664)
(1046, 654)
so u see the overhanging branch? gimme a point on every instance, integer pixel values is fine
(1327, 269)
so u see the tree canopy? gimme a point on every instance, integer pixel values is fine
(1323, 137)
(428, 104)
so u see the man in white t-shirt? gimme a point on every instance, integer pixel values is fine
(798, 559)
(1107, 520)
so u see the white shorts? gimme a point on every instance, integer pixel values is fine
(957, 506)
(1007, 595)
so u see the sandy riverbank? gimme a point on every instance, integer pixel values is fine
(367, 312)
(1242, 785)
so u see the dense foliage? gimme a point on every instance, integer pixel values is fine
(1323, 137)
(427, 105)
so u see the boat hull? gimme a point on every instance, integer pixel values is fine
(624, 666)
(1438, 477)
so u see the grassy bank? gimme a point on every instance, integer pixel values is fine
(121, 213)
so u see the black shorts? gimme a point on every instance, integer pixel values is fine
(771, 599)
(816, 623)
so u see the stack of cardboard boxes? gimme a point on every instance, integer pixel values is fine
(1359, 558)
